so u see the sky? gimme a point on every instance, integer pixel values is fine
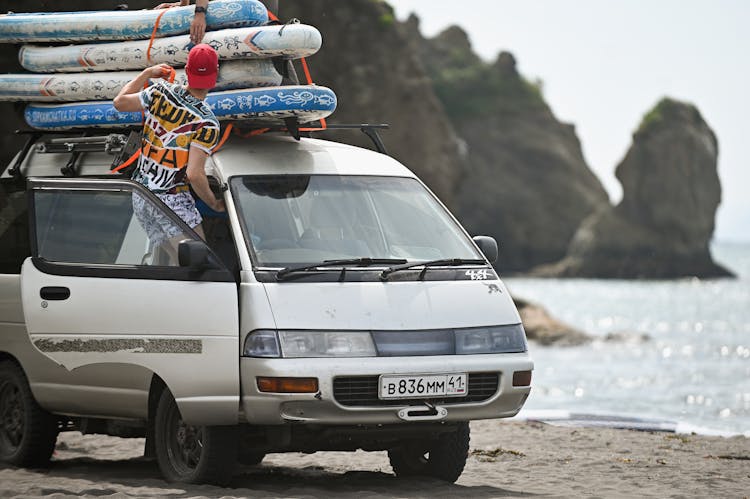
(605, 63)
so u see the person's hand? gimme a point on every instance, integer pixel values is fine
(198, 27)
(166, 5)
(159, 71)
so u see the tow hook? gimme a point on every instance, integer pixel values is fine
(432, 413)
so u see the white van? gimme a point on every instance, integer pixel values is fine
(337, 305)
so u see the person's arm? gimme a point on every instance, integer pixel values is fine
(196, 174)
(198, 26)
(129, 99)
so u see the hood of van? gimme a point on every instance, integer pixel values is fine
(390, 306)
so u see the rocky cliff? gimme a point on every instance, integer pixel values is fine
(527, 183)
(664, 223)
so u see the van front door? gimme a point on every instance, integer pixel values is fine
(104, 292)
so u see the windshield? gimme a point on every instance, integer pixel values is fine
(302, 219)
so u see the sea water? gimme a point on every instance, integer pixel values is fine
(693, 368)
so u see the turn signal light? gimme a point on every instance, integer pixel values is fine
(522, 378)
(287, 385)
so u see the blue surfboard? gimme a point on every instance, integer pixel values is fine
(263, 106)
(126, 24)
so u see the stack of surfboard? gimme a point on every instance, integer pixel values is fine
(72, 86)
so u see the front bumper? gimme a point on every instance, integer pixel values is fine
(323, 407)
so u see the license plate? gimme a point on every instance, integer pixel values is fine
(423, 386)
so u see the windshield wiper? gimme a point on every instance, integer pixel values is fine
(430, 263)
(359, 262)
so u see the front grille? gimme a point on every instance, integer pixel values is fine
(360, 391)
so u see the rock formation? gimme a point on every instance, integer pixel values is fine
(527, 182)
(544, 329)
(664, 223)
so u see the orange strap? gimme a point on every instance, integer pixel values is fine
(127, 162)
(223, 139)
(148, 53)
(308, 77)
(253, 133)
(153, 34)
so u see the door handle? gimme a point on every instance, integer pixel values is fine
(54, 293)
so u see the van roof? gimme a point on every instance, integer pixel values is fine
(262, 155)
(284, 155)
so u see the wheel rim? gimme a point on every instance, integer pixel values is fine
(11, 416)
(184, 443)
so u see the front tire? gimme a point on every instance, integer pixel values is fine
(27, 432)
(193, 454)
(443, 458)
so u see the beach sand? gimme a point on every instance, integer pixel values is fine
(508, 459)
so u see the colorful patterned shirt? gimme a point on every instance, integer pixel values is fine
(174, 122)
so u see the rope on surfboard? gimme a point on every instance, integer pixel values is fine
(153, 34)
(308, 77)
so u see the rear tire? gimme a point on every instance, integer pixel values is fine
(192, 454)
(443, 458)
(27, 432)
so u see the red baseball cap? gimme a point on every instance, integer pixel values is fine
(202, 66)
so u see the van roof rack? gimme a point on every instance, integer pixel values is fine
(294, 129)
(126, 141)
(88, 140)
(369, 129)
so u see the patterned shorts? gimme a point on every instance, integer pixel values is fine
(158, 226)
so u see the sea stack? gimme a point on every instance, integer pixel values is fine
(662, 227)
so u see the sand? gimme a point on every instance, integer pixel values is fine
(508, 459)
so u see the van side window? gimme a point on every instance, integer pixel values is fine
(14, 227)
(105, 228)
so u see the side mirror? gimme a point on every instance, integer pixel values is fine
(488, 246)
(193, 254)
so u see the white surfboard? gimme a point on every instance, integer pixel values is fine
(243, 73)
(289, 41)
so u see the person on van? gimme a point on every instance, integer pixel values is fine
(198, 25)
(179, 132)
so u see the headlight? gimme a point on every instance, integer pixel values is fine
(494, 339)
(327, 344)
(262, 343)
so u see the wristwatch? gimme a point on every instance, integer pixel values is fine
(200, 10)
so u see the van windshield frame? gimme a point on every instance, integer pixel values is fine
(294, 220)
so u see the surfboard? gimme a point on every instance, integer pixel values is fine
(125, 24)
(264, 106)
(289, 41)
(243, 73)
